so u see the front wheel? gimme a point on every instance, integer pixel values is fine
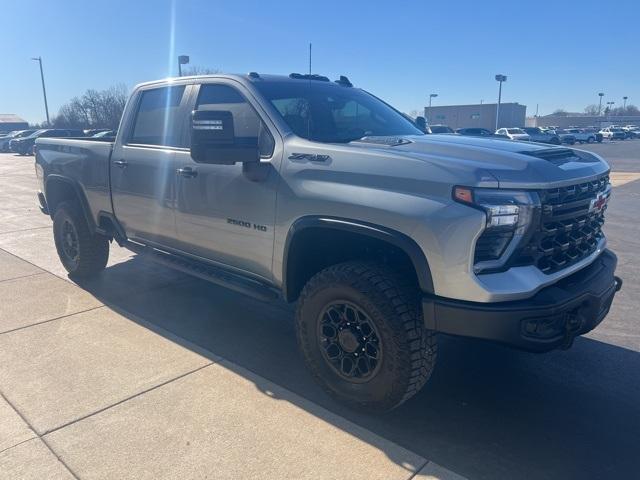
(362, 336)
(82, 253)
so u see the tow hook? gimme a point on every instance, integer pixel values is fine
(572, 325)
(618, 281)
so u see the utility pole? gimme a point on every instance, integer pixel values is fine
(44, 90)
(431, 96)
(499, 78)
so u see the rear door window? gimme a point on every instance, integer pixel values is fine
(159, 118)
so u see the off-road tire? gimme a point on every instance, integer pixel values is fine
(93, 249)
(392, 303)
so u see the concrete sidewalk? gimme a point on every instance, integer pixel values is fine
(91, 389)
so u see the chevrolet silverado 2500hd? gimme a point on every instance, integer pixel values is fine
(317, 192)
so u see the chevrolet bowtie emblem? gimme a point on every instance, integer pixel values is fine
(597, 204)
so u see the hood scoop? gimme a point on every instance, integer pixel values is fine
(560, 156)
(386, 141)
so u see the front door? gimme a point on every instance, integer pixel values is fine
(226, 213)
(143, 169)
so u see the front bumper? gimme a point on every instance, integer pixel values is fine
(550, 319)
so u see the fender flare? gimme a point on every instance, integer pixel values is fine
(77, 188)
(393, 237)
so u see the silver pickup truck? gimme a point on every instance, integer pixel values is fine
(316, 192)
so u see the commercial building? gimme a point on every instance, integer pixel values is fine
(9, 122)
(482, 115)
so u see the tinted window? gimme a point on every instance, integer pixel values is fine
(247, 126)
(326, 112)
(158, 119)
(440, 129)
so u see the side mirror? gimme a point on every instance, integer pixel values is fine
(421, 123)
(213, 140)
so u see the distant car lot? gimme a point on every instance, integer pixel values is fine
(470, 419)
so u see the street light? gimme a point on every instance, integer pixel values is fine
(609, 108)
(44, 90)
(499, 78)
(600, 104)
(624, 104)
(431, 96)
(182, 60)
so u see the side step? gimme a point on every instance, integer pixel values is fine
(210, 273)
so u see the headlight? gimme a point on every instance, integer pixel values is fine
(509, 214)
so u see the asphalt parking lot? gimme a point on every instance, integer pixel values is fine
(112, 407)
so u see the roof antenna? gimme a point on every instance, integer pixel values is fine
(309, 99)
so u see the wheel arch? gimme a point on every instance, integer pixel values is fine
(341, 229)
(58, 188)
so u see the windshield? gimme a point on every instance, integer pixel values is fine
(325, 112)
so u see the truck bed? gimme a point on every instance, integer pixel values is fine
(83, 160)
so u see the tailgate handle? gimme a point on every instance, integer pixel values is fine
(120, 163)
(187, 172)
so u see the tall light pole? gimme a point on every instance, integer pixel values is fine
(624, 104)
(499, 78)
(182, 60)
(600, 104)
(431, 96)
(44, 90)
(609, 108)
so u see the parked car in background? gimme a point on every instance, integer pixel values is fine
(105, 133)
(475, 132)
(4, 140)
(565, 136)
(24, 146)
(441, 129)
(543, 136)
(613, 133)
(582, 135)
(628, 133)
(513, 134)
(595, 132)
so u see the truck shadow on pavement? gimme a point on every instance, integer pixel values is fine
(487, 412)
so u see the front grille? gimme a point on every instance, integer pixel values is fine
(568, 232)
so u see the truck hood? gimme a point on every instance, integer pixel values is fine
(513, 164)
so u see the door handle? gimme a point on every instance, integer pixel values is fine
(120, 163)
(187, 172)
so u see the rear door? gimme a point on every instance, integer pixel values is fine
(143, 171)
(226, 213)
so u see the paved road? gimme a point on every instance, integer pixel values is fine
(488, 411)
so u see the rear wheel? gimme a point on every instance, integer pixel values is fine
(82, 253)
(362, 336)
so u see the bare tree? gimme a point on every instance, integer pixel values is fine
(94, 109)
(592, 109)
(198, 70)
(622, 111)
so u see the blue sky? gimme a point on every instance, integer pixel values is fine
(556, 54)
